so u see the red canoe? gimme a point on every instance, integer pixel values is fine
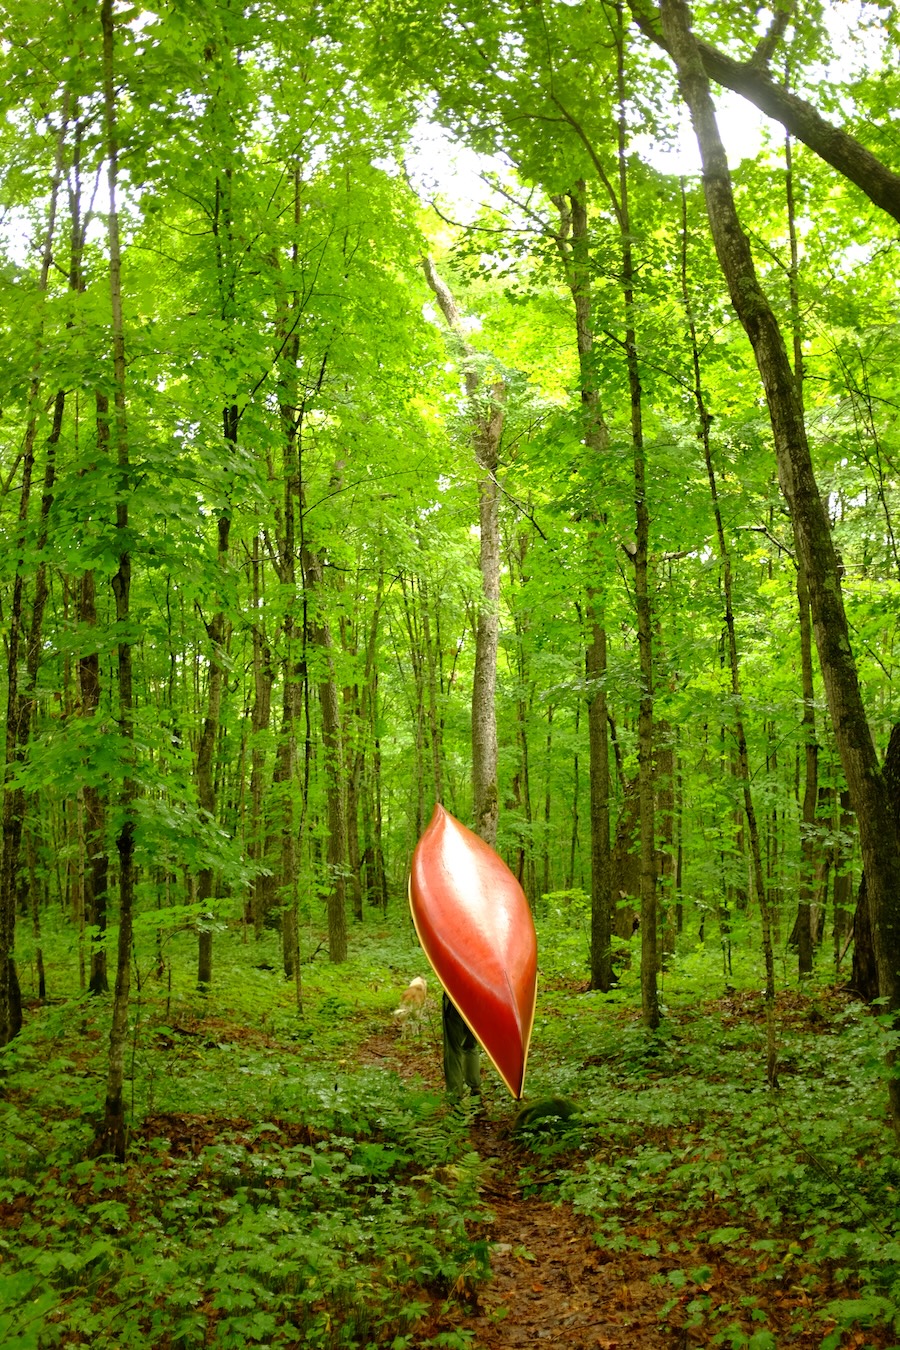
(476, 929)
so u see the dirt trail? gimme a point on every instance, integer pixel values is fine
(550, 1283)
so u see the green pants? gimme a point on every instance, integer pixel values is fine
(462, 1062)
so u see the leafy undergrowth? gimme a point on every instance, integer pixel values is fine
(236, 1233)
(757, 1218)
(275, 1193)
(299, 1181)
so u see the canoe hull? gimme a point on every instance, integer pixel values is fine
(476, 929)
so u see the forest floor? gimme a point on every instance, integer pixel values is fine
(551, 1283)
(304, 1182)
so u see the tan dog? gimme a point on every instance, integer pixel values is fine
(412, 1005)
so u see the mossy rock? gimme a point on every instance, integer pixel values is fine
(546, 1115)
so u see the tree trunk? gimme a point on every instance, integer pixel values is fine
(602, 906)
(664, 775)
(487, 428)
(737, 700)
(485, 799)
(354, 760)
(435, 720)
(96, 875)
(626, 863)
(843, 879)
(548, 802)
(369, 885)
(864, 966)
(573, 243)
(373, 853)
(295, 685)
(517, 553)
(18, 703)
(218, 629)
(260, 720)
(218, 633)
(112, 1134)
(639, 551)
(643, 604)
(283, 792)
(417, 710)
(320, 638)
(879, 836)
(832, 144)
(810, 785)
(864, 970)
(379, 870)
(808, 846)
(573, 834)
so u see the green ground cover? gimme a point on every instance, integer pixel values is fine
(283, 1188)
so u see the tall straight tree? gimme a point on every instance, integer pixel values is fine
(879, 839)
(217, 627)
(487, 403)
(803, 924)
(618, 192)
(112, 1135)
(704, 418)
(573, 244)
(332, 743)
(18, 701)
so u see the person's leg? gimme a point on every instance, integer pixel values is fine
(471, 1057)
(454, 1029)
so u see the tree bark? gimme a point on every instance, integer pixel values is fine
(218, 629)
(18, 703)
(293, 675)
(832, 144)
(879, 838)
(292, 405)
(487, 429)
(843, 879)
(379, 869)
(573, 243)
(320, 637)
(810, 784)
(369, 883)
(260, 721)
(354, 758)
(642, 599)
(548, 803)
(96, 876)
(808, 849)
(112, 1133)
(517, 553)
(737, 700)
(435, 719)
(485, 791)
(664, 776)
(864, 969)
(218, 632)
(417, 659)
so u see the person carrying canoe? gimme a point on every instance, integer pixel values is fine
(462, 1060)
(476, 929)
